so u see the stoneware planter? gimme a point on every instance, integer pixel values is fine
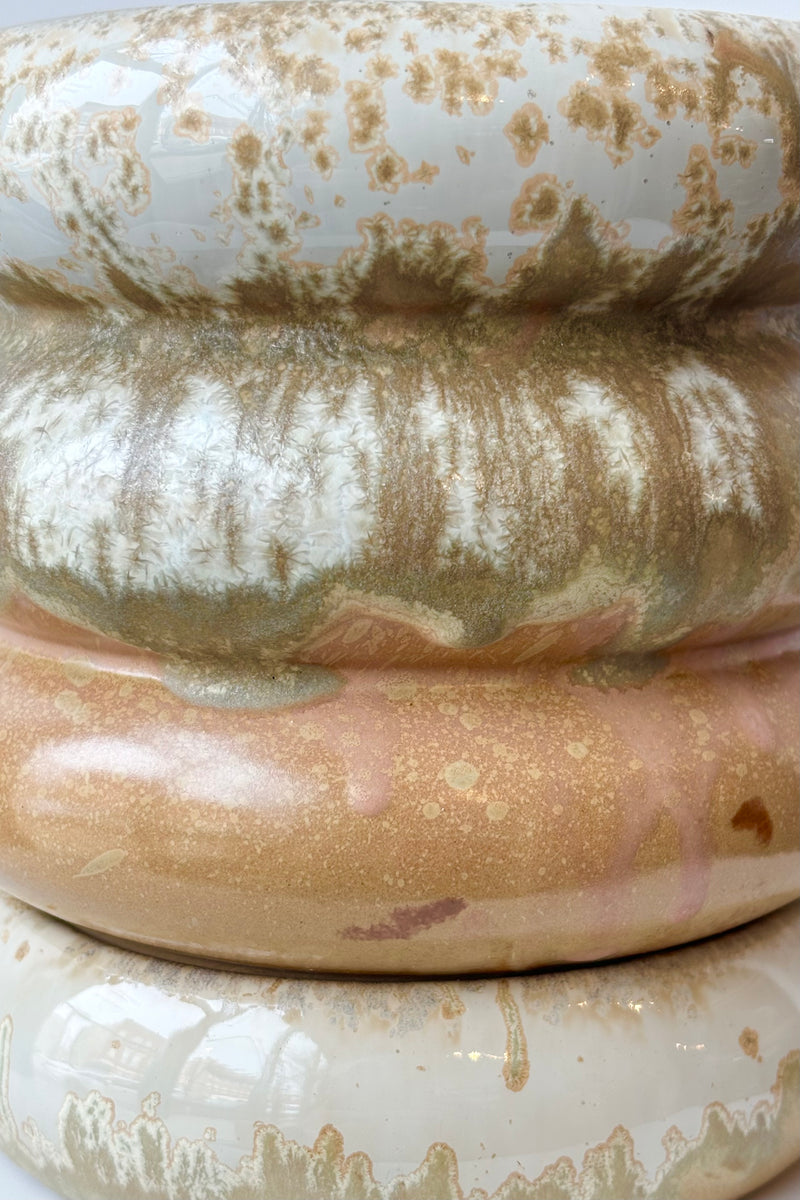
(674, 1075)
(398, 576)
(398, 468)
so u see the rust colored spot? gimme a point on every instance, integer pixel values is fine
(405, 922)
(516, 1064)
(753, 815)
(421, 82)
(586, 107)
(538, 204)
(22, 951)
(194, 124)
(365, 111)
(385, 169)
(324, 160)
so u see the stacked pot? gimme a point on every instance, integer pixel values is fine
(399, 629)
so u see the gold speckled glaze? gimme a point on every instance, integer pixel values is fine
(414, 820)
(398, 479)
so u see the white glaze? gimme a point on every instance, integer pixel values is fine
(179, 195)
(510, 1074)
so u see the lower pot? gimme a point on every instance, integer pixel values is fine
(671, 1075)
(416, 822)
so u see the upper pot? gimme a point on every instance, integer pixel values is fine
(345, 347)
(356, 333)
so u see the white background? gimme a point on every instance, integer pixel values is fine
(14, 1184)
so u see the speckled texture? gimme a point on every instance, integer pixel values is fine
(418, 820)
(673, 1076)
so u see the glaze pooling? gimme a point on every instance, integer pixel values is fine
(367, 540)
(353, 507)
(95, 1150)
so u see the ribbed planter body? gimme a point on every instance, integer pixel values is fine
(399, 541)
(398, 471)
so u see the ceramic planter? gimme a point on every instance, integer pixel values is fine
(399, 455)
(399, 577)
(673, 1075)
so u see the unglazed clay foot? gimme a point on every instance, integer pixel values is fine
(673, 1076)
(398, 473)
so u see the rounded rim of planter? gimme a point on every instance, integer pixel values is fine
(316, 157)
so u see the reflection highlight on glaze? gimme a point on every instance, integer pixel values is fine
(194, 765)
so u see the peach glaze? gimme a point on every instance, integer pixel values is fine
(414, 820)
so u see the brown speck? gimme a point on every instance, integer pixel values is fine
(425, 173)
(421, 82)
(537, 206)
(22, 951)
(381, 67)
(194, 124)
(323, 160)
(748, 1040)
(313, 74)
(360, 38)
(623, 116)
(753, 815)
(527, 131)
(516, 1064)
(246, 150)
(586, 108)
(365, 115)
(387, 168)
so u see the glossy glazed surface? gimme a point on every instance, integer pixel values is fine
(436, 821)
(351, 510)
(313, 393)
(675, 1075)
